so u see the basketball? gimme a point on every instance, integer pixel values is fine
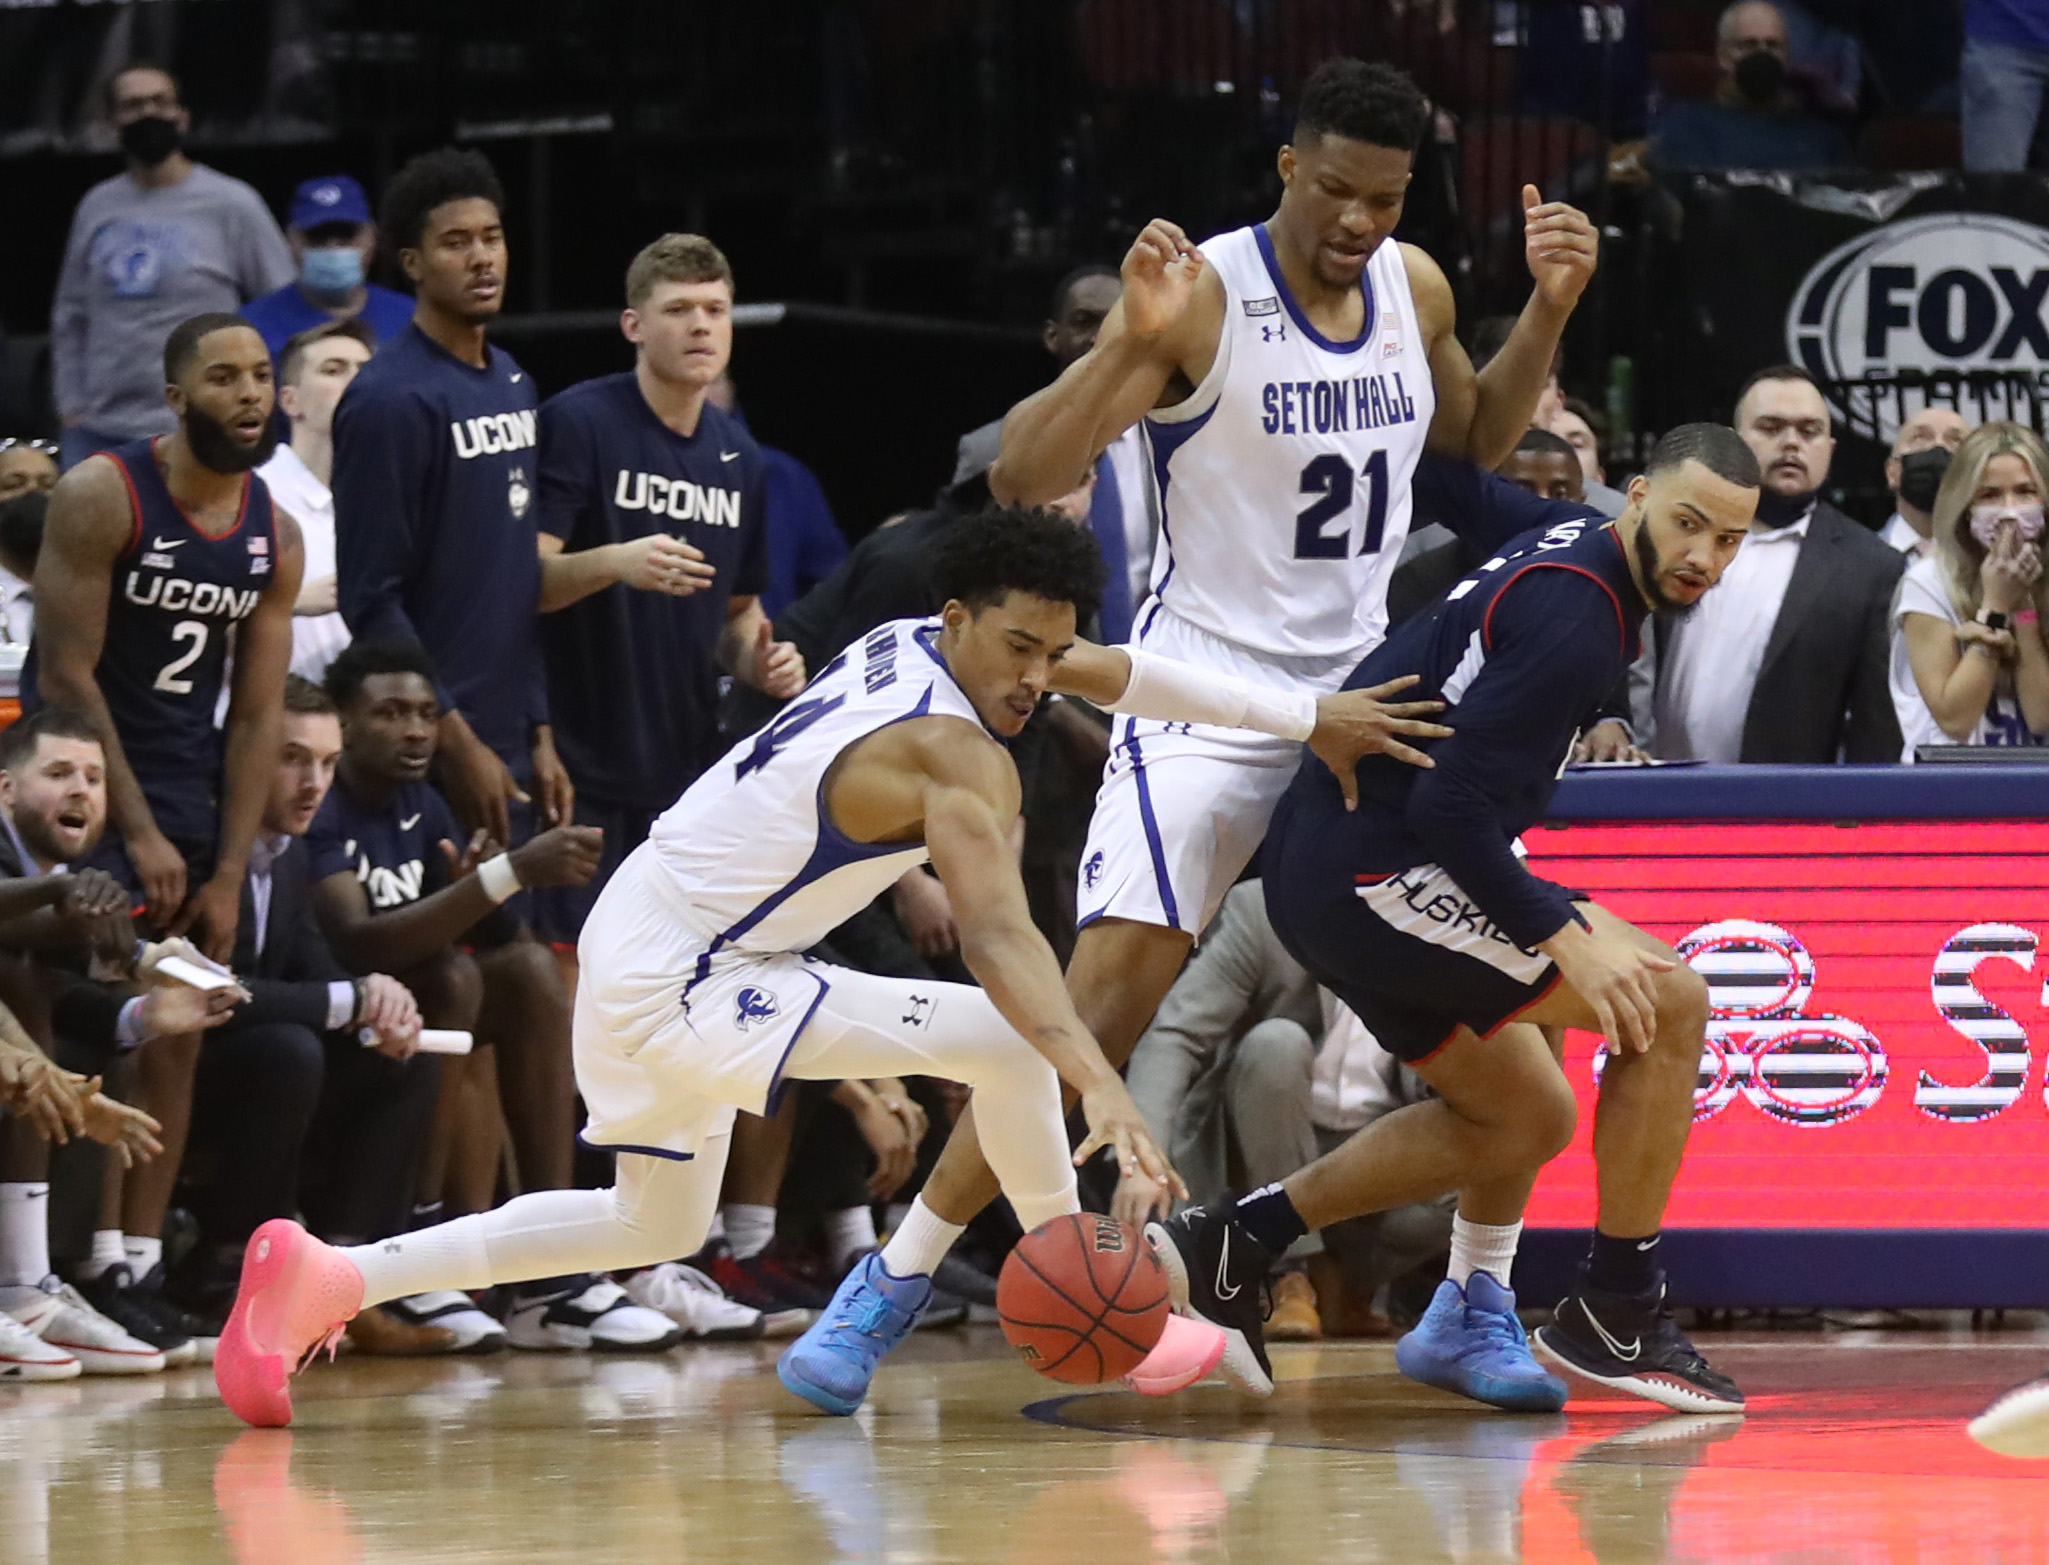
(1082, 1299)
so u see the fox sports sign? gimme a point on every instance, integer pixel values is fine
(1959, 291)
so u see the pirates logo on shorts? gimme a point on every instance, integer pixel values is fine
(755, 1005)
(1092, 871)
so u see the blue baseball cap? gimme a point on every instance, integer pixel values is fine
(332, 198)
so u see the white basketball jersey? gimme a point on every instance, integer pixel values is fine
(1284, 480)
(749, 854)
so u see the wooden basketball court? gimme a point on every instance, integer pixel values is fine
(1854, 1452)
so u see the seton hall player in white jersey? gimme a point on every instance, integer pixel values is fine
(695, 1002)
(1290, 374)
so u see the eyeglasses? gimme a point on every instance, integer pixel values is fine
(14, 443)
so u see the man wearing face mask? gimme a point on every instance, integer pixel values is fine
(1920, 456)
(165, 241)
(1756, 119)
(332, 240)
(1787, 663)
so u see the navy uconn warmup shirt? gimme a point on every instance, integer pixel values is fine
(394, 850)
(434, 527)
(632, 678)
(1522, 650)
(177, 593)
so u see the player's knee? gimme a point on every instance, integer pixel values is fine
(529, 971)
(1682, 1006)
(449, 988)
(1546, 1117)
(662, 1230)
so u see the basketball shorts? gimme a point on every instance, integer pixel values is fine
(669, 1041)
(1183, 807)
(1410, 952)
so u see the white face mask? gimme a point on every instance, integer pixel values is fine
(1985, 520)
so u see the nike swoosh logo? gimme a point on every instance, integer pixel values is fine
(167, 544)
(729, 456)
(1648, 1244)
(516, 379)
(1629, 1354)
(1225, 1290)
(409, 823)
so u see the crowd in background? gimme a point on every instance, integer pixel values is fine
(492, 630)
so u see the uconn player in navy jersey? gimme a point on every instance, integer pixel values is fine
(1289, 376)
(434, 497)
(654, 553)
(694, 1000)
(1414, 908)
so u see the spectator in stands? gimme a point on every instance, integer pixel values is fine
(2005, 68)
(1124, 507)
(654, 544)
(394, 893)
(26, 466)
(1756, 119)
(1579, 426)
(1546, 466)
(1786, 660)
(804, 542)
(433, 500)
(1489, 335)
(333, 242)
(1969, 664)
(1921, 454)
(314, 369)
(166, 240)
(260, 1075)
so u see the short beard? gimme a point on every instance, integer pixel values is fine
(1670, 609)
(218, 450)
(41, 844)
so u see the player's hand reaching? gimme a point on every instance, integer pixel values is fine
(124, 1130)
(36, 1089)
(1138, 1200)
(478, 784)
(171, 1009)
(1357, 723)
(560, 856)
(773, 667)
(1608, 740)
(659, 563)
(1115, 1122)
(1563, 247)
(210, 917)
(1617, 978)
(161, 869)
(93, 906)
(1160, 272)
(552, 781)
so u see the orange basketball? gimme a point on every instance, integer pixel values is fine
(1082, 1299)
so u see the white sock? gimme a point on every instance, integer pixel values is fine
(920, 1242)
(142, 1254)
(749, 1228)
(1482, 1247)
(106, 1252)
(24, 1232)
(848, 1232)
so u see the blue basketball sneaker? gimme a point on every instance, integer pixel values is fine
(870, 1313)
(1470, 1342)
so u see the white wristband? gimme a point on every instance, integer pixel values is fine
(1169, 692)
(498, 878)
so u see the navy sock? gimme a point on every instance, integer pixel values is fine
(1270, 1217)
(1623, 1265)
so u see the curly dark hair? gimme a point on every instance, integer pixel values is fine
(1013, 549)
(1362, 100)
(430, 180)
(362, 660)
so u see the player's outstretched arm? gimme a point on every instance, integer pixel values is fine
(970, 792)
(1171, 302)
(1341, 728)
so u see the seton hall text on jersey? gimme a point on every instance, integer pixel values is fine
(491, 433)
(176, 595)
(678, 498)
(1318, 407)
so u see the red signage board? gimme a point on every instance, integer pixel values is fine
(1879, 994)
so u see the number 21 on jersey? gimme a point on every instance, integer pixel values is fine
(1324, 530)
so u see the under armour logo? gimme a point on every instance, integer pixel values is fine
(754, 1005)
(920, 1012)
(1278, 332)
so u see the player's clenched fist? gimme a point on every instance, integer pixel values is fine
(1159, 272)
(560, 856)
(1563, 247)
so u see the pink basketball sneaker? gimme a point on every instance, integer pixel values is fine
(296, 1296)
(1186, 1352)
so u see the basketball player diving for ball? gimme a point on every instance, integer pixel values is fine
(1289, 376)
(1415, 909)
(694, 1000)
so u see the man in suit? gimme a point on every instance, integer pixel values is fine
(276, 1074)
(1785, 661)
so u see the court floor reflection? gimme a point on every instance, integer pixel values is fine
(1853, 1453)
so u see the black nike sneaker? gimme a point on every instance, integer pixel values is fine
(1217, 1272)
(1631, 1342)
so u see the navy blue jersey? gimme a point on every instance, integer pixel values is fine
(434, 527)
(176, 594)
(1522, 651)
(632, 678)
(394, 849)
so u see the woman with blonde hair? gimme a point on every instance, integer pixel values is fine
(1969, 663)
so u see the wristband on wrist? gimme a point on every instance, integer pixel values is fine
(2027, 617)
(1169, 692)
(498, 878)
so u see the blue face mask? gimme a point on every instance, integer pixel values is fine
(333, 269)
